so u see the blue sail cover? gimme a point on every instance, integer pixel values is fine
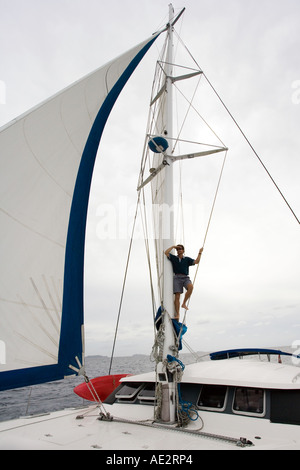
(179, 328)
(47, 161)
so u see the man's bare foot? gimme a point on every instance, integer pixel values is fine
(184, 306)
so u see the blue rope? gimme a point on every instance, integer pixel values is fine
(172, 358)
(185, 405)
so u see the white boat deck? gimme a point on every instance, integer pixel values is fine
(132, 427)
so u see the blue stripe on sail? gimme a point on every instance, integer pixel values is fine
(70, 344)
(30, 376)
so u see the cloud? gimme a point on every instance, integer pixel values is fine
(250, 271)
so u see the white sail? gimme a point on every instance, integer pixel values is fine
(47, 160)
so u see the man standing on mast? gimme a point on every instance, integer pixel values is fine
(181, 266)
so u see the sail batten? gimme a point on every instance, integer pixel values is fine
(47, 161)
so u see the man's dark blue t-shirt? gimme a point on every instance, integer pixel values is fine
(181, 266)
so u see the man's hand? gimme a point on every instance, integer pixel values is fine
(197, 260)
(167, 252)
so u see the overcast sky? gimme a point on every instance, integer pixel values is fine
(247, 291)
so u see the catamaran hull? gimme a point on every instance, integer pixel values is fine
(87, 432)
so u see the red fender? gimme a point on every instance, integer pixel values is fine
(104, 386)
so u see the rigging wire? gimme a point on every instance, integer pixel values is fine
(124, 282)
(150, 124)
(210, 216)
(147, 246)
(242, 132)
(180, 214)
(252, 148)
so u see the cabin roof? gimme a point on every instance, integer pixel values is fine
(234, 372)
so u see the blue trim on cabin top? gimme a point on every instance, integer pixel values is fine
(230, 353)
(72, 319)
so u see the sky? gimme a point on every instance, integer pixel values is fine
(247, 290)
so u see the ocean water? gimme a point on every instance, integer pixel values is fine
(58, 395)
(54, 396)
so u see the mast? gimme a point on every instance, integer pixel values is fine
(161, 177)
(169, 387)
